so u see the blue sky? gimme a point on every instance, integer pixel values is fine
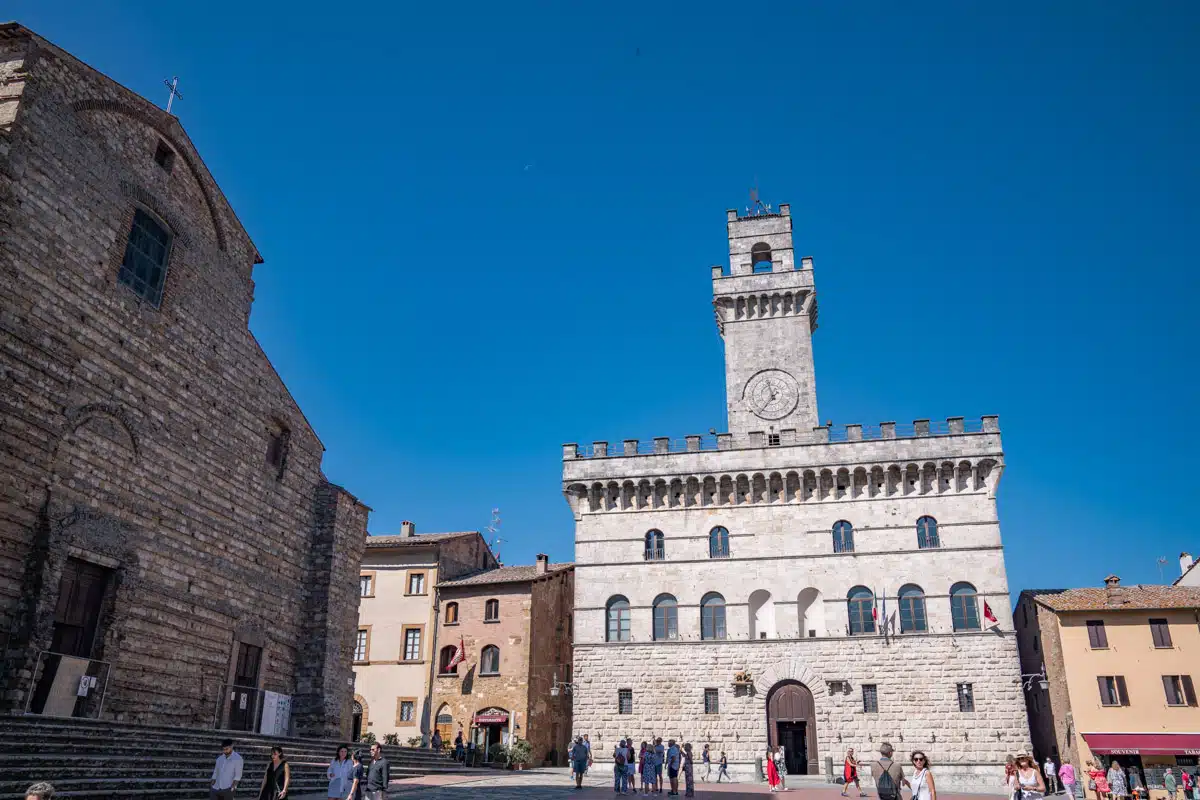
(488, 230)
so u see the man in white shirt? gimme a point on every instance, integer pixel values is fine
(227, 773)
(1049, 771)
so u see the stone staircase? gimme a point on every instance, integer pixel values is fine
(100, 759)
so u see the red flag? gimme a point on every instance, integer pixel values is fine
(460, 655)
(987, 613)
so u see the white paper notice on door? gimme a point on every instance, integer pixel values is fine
(242, 702)
(85, 684)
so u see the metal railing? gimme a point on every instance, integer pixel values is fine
(68, 686)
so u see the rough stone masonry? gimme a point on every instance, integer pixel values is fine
(162, 507)
(786, 583)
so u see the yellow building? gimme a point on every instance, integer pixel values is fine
(1119, 663)
(397, 624)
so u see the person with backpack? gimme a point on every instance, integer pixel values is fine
(620, 776)
(888, 775)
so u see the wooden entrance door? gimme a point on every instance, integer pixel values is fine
(243, 695)
(792, 722)
(77, 614)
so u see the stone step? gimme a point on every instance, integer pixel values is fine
(55, 743)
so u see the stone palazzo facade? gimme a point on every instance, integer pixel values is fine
(170, 550)
(790, 584)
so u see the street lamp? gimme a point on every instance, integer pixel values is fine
(1028, 680)
(559, 686)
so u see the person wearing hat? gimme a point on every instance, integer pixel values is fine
(1028, 782)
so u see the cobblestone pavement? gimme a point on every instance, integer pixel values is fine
(547, 784)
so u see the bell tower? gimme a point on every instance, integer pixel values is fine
(766, 311)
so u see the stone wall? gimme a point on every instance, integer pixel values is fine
(917, 698)
(135, 437)
(550, 655)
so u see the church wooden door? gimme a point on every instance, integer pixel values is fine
(77, 614)
(792, 722)
(243, 695)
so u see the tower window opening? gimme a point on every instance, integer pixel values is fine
(760, 257)
(772, 439)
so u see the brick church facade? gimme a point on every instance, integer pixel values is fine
(165, 526)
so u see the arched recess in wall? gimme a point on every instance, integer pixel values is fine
(810, 612)
(163, 130)
(762, 615)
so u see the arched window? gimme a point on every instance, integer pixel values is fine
(927, 535)
(712, 616)
(843, 537)
(912, 609)
(655, 549)
(760, 257)
(489, 660)
(451, 613)
(144, 267)
(618, 619)
(491, 611)
(718, 543)
(445, 667)
(666, 618)
(860, 602)
(964, 607)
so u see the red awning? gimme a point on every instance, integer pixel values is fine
(490, 719)
(1145, 744)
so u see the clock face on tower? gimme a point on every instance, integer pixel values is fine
(771, 394)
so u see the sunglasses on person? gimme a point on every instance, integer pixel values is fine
(918, 758)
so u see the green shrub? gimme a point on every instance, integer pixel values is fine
(519, 752)
(367, 737)
(414, 741)
(391, 738)
(498, 752)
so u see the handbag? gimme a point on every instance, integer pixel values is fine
(1092, 784)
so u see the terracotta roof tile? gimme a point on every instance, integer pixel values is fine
(1129, 598)
(415, 540)
(519, 574)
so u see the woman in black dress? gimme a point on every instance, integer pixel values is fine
(278, 776)
(358, 783)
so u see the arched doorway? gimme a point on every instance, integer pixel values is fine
(792, 722)
(356, 721)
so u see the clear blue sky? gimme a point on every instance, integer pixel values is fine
(1001, 200)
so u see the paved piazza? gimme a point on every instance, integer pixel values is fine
(543, 784)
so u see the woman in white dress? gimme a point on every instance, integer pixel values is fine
(1027, 782)
(922, 783)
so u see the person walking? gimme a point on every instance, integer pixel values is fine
(1028, 779)
(772, 771)
(706, 762)
(888, 775)
(436, 742)
(1066, 776)
(588, 744)
(459, 752)
(1097, 780)
(1169, 783)
(781, 767)
(922, 783)
(226, 774)
(1187, 781)
(358, 777)
(850, 773)
(1051, 774)
(277, 778)
(689, 779)
(723, 768)
(579, 758)
(378, 775)
(340, 774)
(1117, 786)
(649, 767)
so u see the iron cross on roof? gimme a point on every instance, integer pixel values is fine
(173, 85)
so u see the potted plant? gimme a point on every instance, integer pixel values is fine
(519, 753)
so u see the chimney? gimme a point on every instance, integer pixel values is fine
(407, 529)
(543, 561)
(1114, 589)
(1185, 561)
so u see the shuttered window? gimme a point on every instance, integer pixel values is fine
(1097, 637)
(1179, 690)
(1113, 691)
(1160, 632)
